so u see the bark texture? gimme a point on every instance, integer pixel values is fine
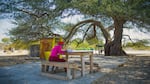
(114, 47)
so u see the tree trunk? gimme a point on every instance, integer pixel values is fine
(114, 48)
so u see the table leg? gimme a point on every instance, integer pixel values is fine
(67, 57)
(91, 63)
(82, 66)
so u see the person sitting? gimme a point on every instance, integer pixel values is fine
(56, 52)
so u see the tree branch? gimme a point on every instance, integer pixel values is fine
(85, 34)
(33, 14)
(129, 38)
(111, 27)
(97, 23)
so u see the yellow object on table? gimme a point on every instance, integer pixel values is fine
(60, 56)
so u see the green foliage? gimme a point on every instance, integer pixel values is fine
(35, 19)
(141, 44)
(129, 10)
(92, 41)
(6, 40)
(84, 45)
(19, 44)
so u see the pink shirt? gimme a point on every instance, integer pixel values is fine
(56, 51)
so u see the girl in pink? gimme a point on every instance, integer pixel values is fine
(56, 51)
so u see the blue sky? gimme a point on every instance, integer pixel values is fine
(5, 25)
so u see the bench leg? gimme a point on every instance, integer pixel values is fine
(43, 68)
(52, 68)
(47, 68)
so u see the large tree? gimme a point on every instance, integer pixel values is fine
(37, 15)
(120, 11)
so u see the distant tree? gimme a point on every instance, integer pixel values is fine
(19, 44)
(139, 43)
(35, 19)
(6, 40)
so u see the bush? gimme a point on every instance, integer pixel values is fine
(141, 44)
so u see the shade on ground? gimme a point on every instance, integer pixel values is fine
(30, 73)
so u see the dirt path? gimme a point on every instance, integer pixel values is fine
(13, 60)
(135, 71)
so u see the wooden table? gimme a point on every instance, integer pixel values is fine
(71, 67)
(82, 54)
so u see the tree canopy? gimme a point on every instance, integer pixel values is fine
(121, 12)
(39, 19)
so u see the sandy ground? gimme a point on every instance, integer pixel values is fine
(16, 57)
(15, 53)
(27, 70)
(138, 52)
(135, 71)
(29, 73)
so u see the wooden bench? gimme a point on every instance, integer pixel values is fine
(71, 67)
